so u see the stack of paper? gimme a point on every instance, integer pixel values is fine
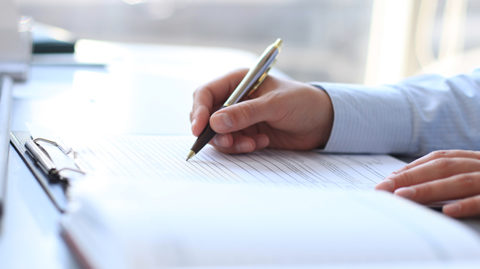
(143, 206)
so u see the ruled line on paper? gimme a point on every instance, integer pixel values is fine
(163, 158)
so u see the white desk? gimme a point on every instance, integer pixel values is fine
(143, 89)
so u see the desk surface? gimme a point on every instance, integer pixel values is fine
(142, 89)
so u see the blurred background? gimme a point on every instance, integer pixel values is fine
(354, 41)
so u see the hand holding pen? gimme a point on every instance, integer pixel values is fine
(281, 114)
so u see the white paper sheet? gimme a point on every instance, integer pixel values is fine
(170, 225)
(163, 158)
(145, 218)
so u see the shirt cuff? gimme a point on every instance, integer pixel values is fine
(368, 119)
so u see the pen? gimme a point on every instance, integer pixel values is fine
(247, 86)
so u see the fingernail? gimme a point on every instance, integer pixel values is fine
(224, 120)
(262, 142)
(452, 209)
(194, 122)
(216, 140)
(406, 192)
(220, 140)
(386, 185)
(244, 147)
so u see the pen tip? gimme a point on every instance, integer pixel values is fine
(278, 43)
(190, 155)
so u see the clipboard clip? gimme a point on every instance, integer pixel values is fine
(46, 162)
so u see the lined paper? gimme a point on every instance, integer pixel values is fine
(163, 158)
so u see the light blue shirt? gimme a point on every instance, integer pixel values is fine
(414, 117)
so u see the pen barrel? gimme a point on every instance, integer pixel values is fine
(207, 134)
(254, 76)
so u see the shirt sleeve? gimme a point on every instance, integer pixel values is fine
(419, 115)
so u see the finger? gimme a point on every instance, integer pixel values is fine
(468, 207)
(244, 144)
(216, 91)
(227, 140)
(261, 141)
(199, 120)
(434, 169)
(244, 114)
(222, 140)
(440, 154)
(454, 187)
(241, 144)
(208, 97)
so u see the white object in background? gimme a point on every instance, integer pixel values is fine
(390, 34)
(15, 47)
(401, 36)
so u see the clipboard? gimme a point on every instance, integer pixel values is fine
(43, 167)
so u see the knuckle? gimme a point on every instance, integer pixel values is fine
(424, 191)
(274, 97)
(204, 91)
(467, 181)
(439, 154)
(470, 207)
(406, 167)
(476, 204)
(200, 91)
(403, 179)
(246, 112)
(443, 163)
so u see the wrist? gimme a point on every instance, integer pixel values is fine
(327, 117)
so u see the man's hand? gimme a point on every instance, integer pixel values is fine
(440, 176)
(281, 114)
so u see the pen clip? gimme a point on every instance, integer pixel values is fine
(255, 75)
(259, 81)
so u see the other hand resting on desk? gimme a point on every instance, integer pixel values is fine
(439, 176)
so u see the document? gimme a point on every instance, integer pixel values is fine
(163, 158)
(142, 205)
(204, 225)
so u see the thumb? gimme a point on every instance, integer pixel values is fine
(242, 115)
